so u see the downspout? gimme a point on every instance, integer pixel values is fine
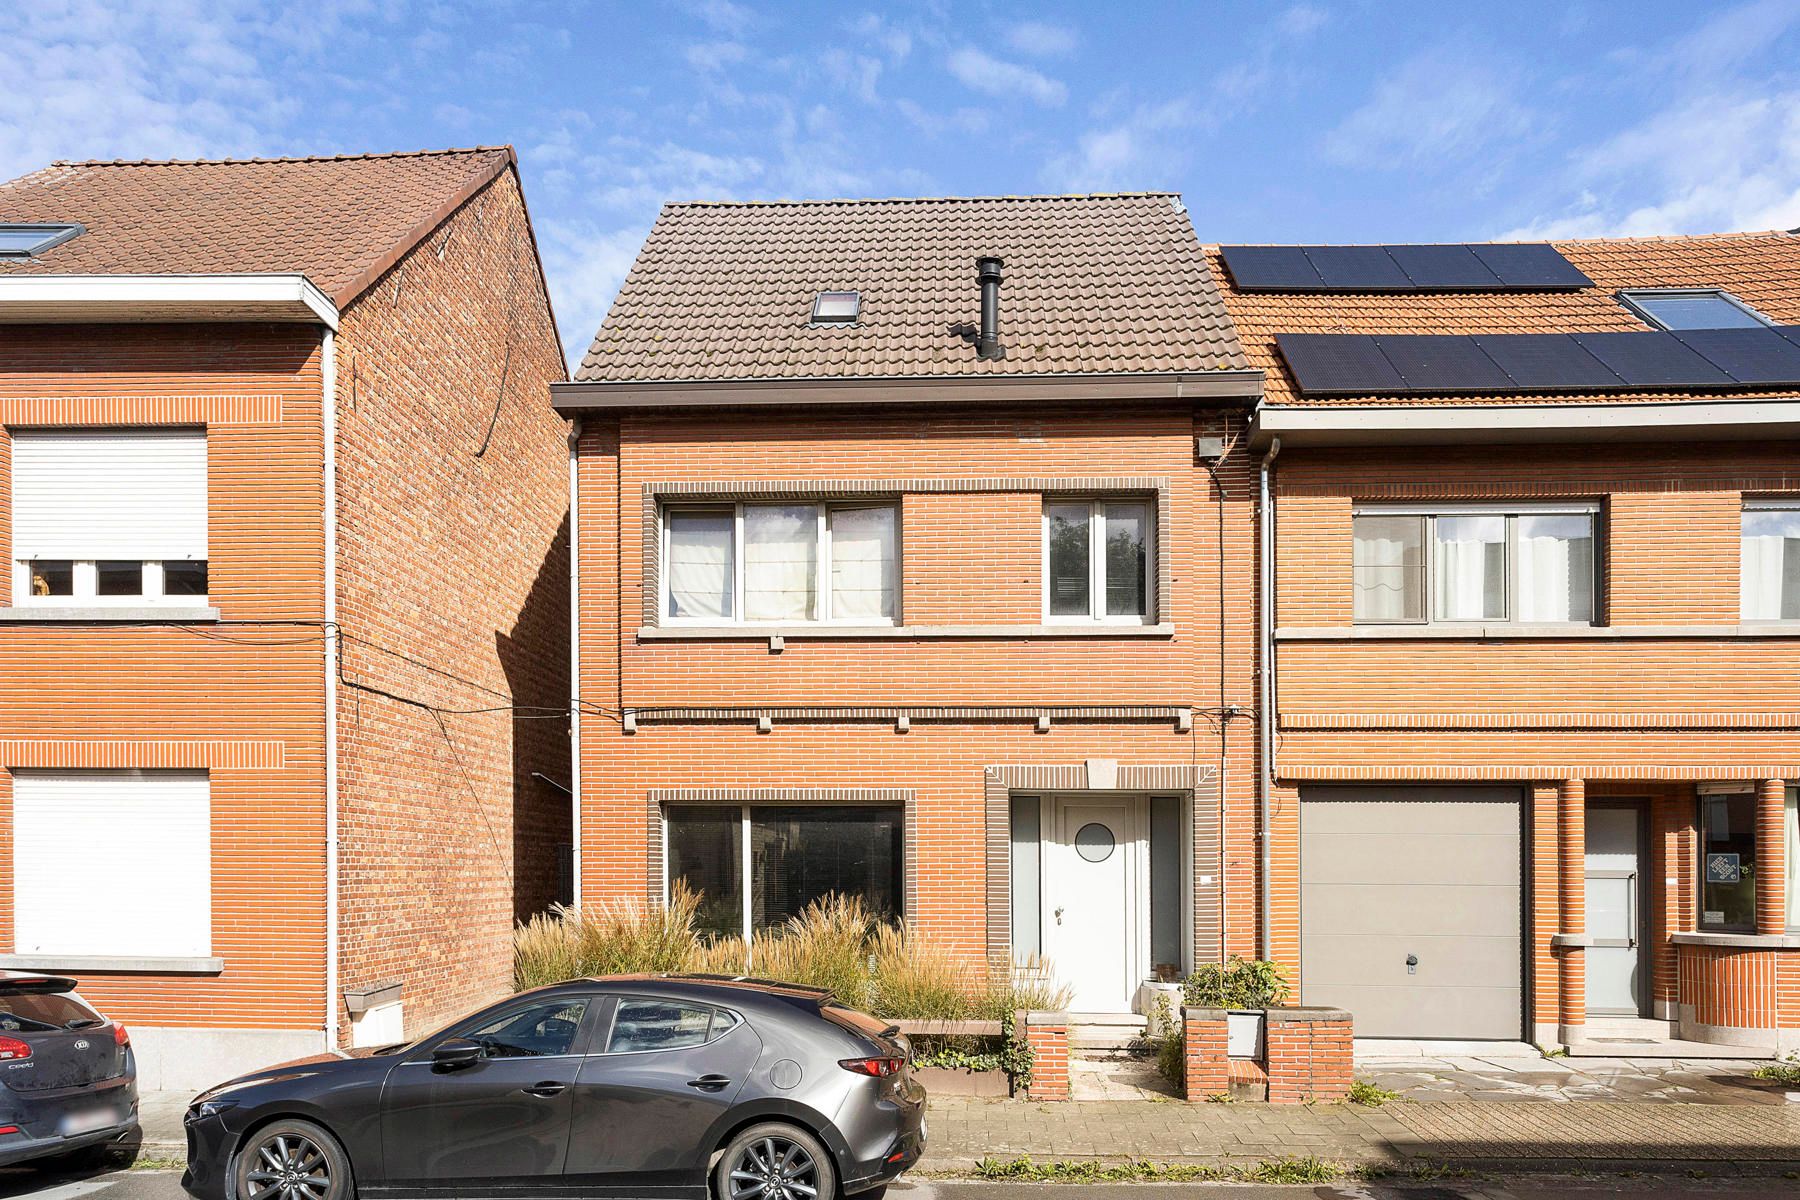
(1265, 703)
(329, 387)
(575, 665)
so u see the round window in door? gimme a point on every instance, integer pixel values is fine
(1094, 842)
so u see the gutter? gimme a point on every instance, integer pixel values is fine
(575, 665)
(1524, 420)
(329, 388)
(219, 297)
(1265, 701)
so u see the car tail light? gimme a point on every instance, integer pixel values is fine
(13, 1048)
(120, 1036)
(879, 1068)
(9, 1129)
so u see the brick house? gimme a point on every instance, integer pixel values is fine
(887, 591)
(288, 555)
(1533, 626)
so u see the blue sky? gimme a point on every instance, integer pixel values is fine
(1354, 121)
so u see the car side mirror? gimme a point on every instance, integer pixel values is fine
(454, 1054)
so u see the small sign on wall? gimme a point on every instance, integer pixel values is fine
(1723, 868)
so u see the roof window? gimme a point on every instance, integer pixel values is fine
(836, 308)
(24, 241)
(1692, 308)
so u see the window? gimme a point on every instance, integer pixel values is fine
(1697, 308)
(1728, 859)
(23, 241)
(143, 844)
(1791, 837)
(782, 563)
(665, 1025)
(836, 308)
(109, 516)
(1474, 563)
(756, 866)
(540, 1031)
(1097, 560)
(1769, 569)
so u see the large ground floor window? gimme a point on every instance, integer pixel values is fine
(756, 866)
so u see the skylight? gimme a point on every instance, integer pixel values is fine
(23, 241)
(1696, 308)
(836, 308)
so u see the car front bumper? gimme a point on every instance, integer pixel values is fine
(208, 1150)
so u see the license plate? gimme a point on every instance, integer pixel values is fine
(76, 1123)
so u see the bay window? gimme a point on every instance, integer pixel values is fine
(755, 867)
(1534, 564)
(1098, 560)
(109, 516)
(781, 563)
(1769, 570)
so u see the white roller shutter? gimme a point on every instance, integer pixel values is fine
(115, 863)
(109, 494)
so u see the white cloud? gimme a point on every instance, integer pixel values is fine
(897, 42)
(857, 73)
(1136, 153)
(1438, 106)
(585, 263)
(722, 15)
(1040, 39)
(1301, 19)
(997, 77)
(714, 56)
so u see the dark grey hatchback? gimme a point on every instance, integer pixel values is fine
(643, 1086)
(70, 1083)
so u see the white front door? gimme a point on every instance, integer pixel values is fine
(1093, 915)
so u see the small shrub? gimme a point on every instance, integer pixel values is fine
(1781, 1072)
(1370, 1096)
(1171, 1044)
(1236, 983)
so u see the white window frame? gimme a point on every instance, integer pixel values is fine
(1430, 512)
(1790, 822)
(85, 587)
(1097, 614)
(1765, 504)
(1630, 299)
(822, 513)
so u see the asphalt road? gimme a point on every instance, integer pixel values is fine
(40, 1184)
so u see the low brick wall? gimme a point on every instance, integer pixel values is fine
(1310, 1055)
(1048, 1036)
(1207, 1068)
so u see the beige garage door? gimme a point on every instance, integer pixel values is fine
(1430, 875)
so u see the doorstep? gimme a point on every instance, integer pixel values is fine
(1380, 1049)
(1642, 1037)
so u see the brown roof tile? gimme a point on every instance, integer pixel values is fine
(1108, 283)
(1762, 269)
(340, 221)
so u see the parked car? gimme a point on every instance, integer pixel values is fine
(70, 1079)
(619, 1086)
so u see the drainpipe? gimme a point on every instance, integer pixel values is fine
(328, 388)
(575, 665)
(1265, 703)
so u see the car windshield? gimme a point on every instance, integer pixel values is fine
(36, 1013)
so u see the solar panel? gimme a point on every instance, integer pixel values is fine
(1338, 362)
(1271, 268)
(1759, 355)
(1540, 361)
(1652, 360)
(1442, 363)
(1449, 268)
(1529, 265)
(1360, 268)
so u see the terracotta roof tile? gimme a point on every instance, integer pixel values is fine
(338, 220)
(1106, 283)
(1762, 269)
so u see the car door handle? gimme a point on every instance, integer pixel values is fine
(710, 1083)
(548, 1088)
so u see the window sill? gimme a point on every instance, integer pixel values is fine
(1475, 631)
(758, 633)
(106, 614)
(1748, 941)
(107, 962)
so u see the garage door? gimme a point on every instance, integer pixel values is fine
(1430, 875)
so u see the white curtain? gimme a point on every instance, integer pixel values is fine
(863, 564)
(700, 565)
(1384, 569)
(1556, 567)
(781, 547)
(1471, 568)
(1769, 581)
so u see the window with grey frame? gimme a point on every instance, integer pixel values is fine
(1691, 308)
(1522, 564)
(1728, 859)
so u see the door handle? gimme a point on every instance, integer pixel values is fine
(1059, 913)
(548, 1088)
(710, 1083)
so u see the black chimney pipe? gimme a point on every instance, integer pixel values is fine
(987, 270)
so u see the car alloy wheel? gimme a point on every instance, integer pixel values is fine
(292, 1160)
(773, 1167)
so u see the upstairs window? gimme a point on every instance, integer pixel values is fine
(1769, 567)
(109, 516)
(1694, 308)
(1475, 563)
(24, 241)
(1097, 560)
(782, 563)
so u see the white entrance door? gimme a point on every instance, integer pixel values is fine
(1093, 918)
